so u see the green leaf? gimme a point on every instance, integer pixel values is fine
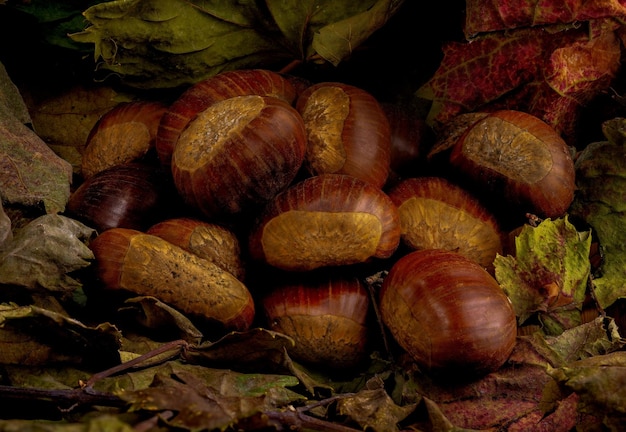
(599, 201)
(168, 43)
(548, 274)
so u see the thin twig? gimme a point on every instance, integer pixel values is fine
(178, 345)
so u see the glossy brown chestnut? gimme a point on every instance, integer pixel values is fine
(348, 132)
(209, 241)
(325, 316)
(409, 137)
(438, 214)
(326, 220)
(214, 89)
(133, 195)
(520, 158)
(448, 313)
(238, 154)
(124, 134)
(148, 265)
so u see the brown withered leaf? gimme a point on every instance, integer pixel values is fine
(373, 409)
(6, 233)
(30, 335)
(257, 349)
(209, 399)
(31, 174)
(44, 253)
(153, 314)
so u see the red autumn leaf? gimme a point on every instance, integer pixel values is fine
(484, 16)
(550, 75)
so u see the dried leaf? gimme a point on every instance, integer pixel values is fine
(6, 233)
(373, 409)
(31, 174)
(153, 314)
(529, 69)
(30, 335)
(204, 398)
(256, 348)
(495, 16)
(165, 43)
(45, 252)
(600, 382)
(548, 274)
(601, 183)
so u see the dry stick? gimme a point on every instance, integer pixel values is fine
(371, 282)
(179, 345)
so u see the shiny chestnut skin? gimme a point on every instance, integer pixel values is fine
(133, 195)
(521, 160)
(126, 133)
(219, 87)
(448, 313)
(325, 315)
(348, 132)
(324, 221)
(436, 213)
(238, 154)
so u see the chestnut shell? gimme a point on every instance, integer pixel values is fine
(348, 132)
(325, 220)
(326, 316)
(448, 313)
(238, 154)
(214, 89)
(133, 195)
(520, 159)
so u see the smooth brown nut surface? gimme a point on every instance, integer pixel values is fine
(448, 313)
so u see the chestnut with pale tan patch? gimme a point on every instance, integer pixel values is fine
(209, 241)
(124, 134)
(326, 220)
(438, 214)
(520, 158)
(148, 265)
(325, 317)
(348, 132)
(238, 154)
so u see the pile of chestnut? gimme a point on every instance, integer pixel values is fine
(257, 198)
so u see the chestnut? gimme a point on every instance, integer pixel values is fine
(519, 158)
(448, 313)
(325, 220)
(124, 134)
(147, 265)
(238, 154)
(325, 316)
(438, 214)
(348, 132)
(210, 241)
(133, 195)
(410, 136)
(219, 87)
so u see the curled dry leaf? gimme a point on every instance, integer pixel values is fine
(44, 253)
